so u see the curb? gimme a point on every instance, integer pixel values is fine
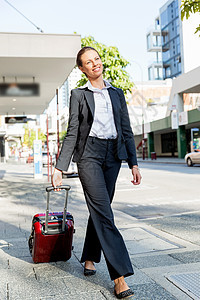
(162, 162)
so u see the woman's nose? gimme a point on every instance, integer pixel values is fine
(94, 62)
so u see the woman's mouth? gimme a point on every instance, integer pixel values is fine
(96, 69)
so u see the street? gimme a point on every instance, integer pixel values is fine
(159, 221)
(168, 198)
(166, 190)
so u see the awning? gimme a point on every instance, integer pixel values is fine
(43, 59)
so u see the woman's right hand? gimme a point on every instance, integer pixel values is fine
(56, 178)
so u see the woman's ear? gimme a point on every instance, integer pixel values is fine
(80, 68)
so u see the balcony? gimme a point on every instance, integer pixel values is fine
(153, 31)
(154, 48)
(153, 40)
(166, 64)
(156, 64)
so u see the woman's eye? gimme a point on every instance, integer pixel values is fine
(88, 62)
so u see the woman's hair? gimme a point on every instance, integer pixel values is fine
(81, 52)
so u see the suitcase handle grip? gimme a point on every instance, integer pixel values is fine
(52, 188)
(62, 187)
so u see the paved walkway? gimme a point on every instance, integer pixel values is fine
(154, 254)
(165, 160)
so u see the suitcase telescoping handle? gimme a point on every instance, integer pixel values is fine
(50, 189)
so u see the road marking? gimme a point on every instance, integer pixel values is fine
(165, 203)
(141, 187)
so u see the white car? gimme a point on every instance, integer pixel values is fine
(192, 158)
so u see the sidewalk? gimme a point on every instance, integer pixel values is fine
(153, 253)
(164, 160)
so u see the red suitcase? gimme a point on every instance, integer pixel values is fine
(52, 233)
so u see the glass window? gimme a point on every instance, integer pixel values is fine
(150, 73)
(159, 40)
(166, 55)
(148, 41)
(154, 41)
(160, 73)
(165, 38)
(164, 73)
(178, 48)
(155, 74)
(164, 19)
(159, 56)
(168, 72)
(179, 66)
(177, 30)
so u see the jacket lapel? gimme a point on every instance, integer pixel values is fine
(90, 100)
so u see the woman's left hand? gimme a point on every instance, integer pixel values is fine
(136, 175)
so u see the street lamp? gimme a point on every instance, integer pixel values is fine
(143, 141)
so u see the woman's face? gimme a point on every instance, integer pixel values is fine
(91, 64)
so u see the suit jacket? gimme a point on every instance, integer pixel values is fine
(81, 112)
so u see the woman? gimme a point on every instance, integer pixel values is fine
(99, 137)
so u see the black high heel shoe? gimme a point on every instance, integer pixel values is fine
(124, 294)
(88, 272)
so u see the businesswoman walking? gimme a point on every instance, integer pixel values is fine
(99, 137)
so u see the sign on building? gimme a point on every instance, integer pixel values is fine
(183, 118)
(174, 120)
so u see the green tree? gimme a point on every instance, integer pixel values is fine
(30, 136)
(114, 65)
(189, 7)
(62, 135)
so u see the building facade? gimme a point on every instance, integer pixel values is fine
(171, 36)
(173, 134)
(173, 43)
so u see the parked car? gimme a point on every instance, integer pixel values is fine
(44, 159)
(193, 158)
(30, 159)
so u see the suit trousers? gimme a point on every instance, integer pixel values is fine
(98, 170)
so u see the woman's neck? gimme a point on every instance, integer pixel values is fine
(97, 82)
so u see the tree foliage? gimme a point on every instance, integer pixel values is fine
(189, 7)
(62, 135)
(30, 136)
(113, 65)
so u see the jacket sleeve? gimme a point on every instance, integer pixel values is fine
(70, 139)
(127, 132)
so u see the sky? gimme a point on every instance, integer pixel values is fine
(123, 24)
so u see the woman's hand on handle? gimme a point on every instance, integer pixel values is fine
(136, 175)
(56, 179)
